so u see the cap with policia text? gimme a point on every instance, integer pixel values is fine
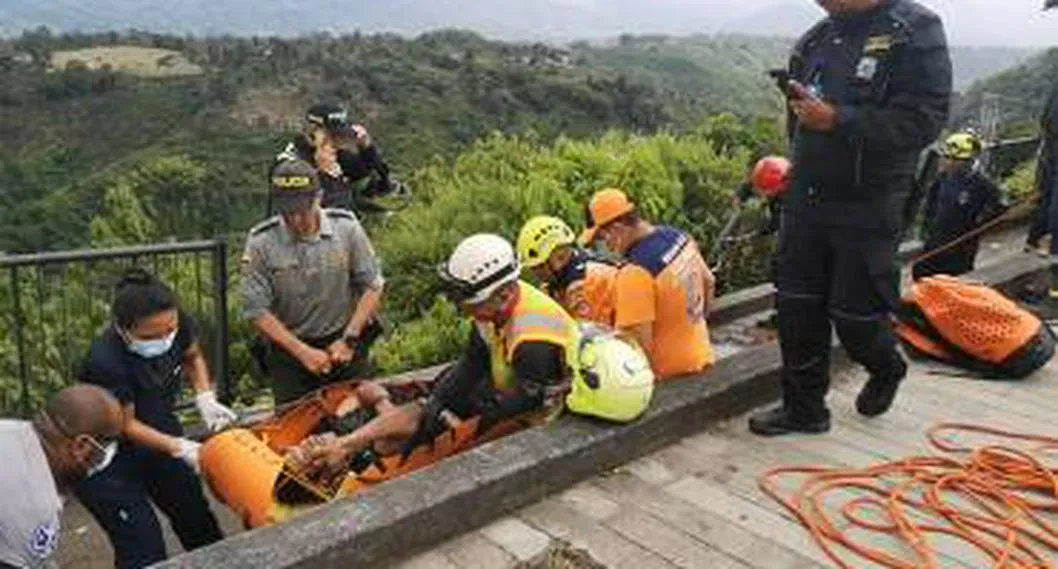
(295, 185)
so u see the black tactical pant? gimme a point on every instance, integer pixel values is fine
(843, 276)
(120, 497)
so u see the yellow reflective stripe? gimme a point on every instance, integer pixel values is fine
(537, 323)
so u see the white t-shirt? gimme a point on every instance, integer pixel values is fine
(30, 504)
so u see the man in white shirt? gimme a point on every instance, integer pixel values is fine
(73, 437)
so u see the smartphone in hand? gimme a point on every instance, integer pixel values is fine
(782, 81)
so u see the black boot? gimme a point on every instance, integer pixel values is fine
(780, 421)
(878, 394)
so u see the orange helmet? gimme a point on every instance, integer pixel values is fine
(771, 176)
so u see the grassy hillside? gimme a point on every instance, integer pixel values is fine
(78, 110)
(701, 73)
(1022, 90)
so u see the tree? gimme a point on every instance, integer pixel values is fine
(123, 221)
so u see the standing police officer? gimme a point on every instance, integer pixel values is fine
(342, 153)
(311, 286)
(869, 89)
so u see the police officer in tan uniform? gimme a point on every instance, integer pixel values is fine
(311, 286)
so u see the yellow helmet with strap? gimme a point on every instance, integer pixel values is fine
(962, 146)
(540, 236)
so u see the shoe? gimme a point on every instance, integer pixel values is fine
(779, 421)
(877, 396)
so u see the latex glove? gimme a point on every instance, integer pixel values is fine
(215, 415)
(188, 452)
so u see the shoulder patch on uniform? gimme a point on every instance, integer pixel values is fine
(265, 225)
(657, 250)
(44, 541)
(339, 213)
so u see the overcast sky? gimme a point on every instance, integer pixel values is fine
(969, 22)
(1007, 22)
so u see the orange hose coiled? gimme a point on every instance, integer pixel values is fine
(996, 498)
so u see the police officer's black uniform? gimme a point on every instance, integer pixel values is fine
(956, 204)
(339, 186)
(887, 71)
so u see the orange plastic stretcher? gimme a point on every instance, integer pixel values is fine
(245, 467)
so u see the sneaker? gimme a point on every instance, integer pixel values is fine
(779, 421)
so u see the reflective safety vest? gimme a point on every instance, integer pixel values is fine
(535, 318)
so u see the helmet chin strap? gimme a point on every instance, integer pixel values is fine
(505, 311)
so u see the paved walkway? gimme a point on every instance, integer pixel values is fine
(696, 504)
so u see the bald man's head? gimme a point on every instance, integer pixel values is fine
(80, 427)
(85, 408)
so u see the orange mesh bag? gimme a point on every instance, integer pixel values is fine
(973, 326)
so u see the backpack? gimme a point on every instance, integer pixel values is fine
(615, 381)
(974, 327)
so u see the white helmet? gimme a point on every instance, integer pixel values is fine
(479, 266)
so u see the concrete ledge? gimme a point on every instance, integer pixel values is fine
(472, 489)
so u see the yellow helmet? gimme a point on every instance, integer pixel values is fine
(540, 236)
(962, 146)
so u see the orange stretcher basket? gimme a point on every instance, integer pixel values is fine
(245, 467)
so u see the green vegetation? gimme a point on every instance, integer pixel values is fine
(69, 132)
(1022, 93)
(487, 133)
(686, 181)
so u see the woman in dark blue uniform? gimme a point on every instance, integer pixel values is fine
(143, 358)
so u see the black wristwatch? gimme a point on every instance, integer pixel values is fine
(351, 340)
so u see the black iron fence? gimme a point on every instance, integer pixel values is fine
(53, 304)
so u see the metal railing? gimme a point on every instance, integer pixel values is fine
(54, 304)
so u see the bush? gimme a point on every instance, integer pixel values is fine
(504, 180)
(1022, 183)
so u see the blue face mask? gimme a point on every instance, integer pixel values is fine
(152, 348)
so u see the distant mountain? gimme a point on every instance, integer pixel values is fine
(1021, 91)
(969, 22)
(787, 20)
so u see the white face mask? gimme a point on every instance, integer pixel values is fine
(151, 348)
(109, 452)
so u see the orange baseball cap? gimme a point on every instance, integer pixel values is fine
(605, 207)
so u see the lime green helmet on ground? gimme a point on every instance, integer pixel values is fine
(962, 146)
(615, 381)
(540, 236)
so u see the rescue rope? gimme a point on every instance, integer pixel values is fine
(1015, 210)
(1000, 500)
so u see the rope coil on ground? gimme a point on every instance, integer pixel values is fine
(999, 499)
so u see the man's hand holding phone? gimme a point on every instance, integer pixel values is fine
(811, 111)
